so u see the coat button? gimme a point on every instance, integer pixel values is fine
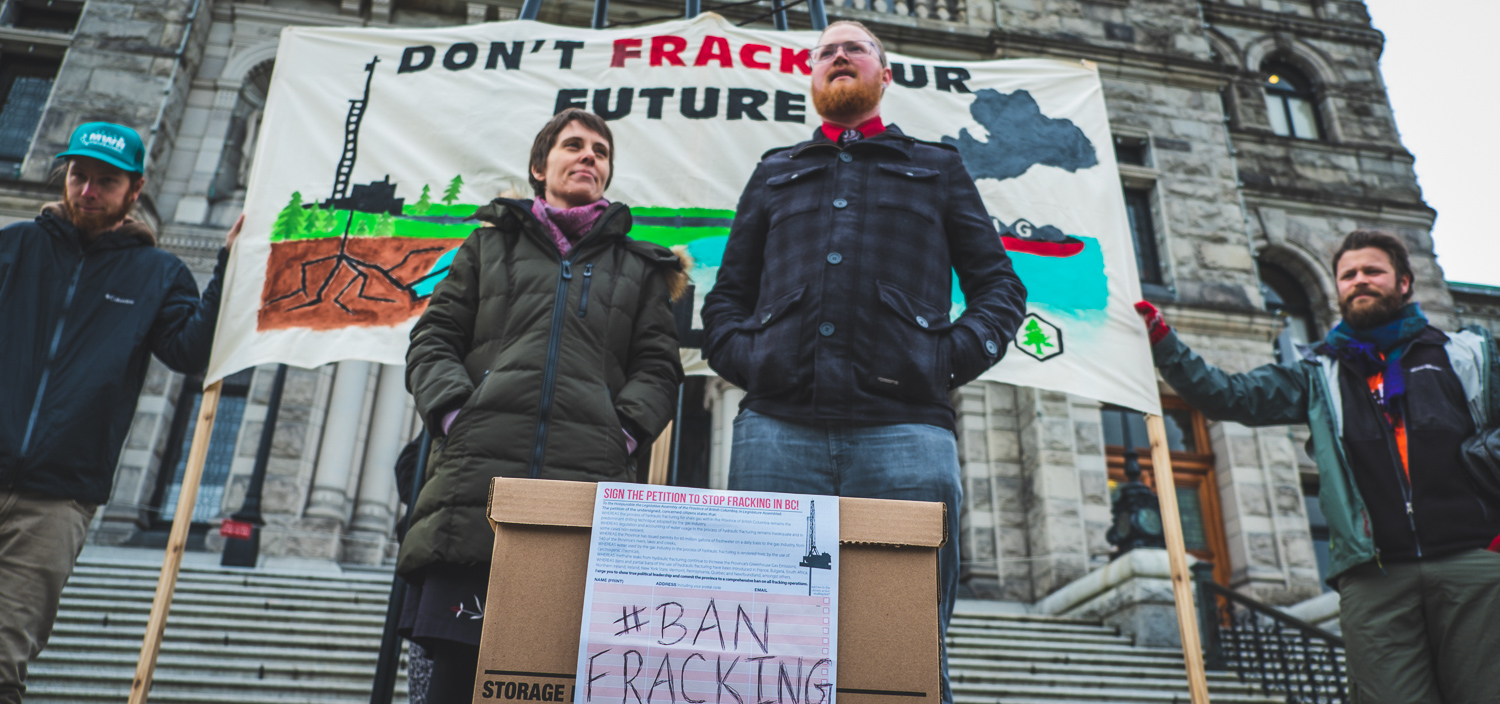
(835, 257)
(991, 347)
(840, 202)
(765, 318)
(922, 321)
(825, 329)
(845, 157)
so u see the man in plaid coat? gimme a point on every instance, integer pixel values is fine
(832, 304)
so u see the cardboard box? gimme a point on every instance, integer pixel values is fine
(888, 595)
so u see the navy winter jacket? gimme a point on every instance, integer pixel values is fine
(832, 303)
(77, 328)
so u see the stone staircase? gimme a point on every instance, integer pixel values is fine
(1015, 658)
(250, 637)
(285, 637)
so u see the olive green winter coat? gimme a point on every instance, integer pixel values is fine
(547, 358)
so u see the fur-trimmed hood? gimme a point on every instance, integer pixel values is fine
(130, 227)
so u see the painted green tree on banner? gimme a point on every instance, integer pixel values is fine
(424, 203)
(451, 194)
(1036, 337)
(290, 220)
(385, 225)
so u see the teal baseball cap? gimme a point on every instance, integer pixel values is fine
(116, 145)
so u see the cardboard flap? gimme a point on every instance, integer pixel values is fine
(885, 522)
(542, 502)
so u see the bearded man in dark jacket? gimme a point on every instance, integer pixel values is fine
(832, 304)
(85, 299)
(1389, 400)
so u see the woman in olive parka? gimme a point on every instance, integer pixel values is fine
(549, 351)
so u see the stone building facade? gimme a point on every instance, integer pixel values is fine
(1251, 135)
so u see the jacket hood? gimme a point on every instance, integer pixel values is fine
(675, 263)
(130, 228)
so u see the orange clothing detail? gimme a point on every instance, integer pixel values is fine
(1398, 425)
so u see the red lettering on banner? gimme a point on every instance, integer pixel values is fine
(795, 59)
(714, 49)
(747, 56)
(667, 49)
(625, 49)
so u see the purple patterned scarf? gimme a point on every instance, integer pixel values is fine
(567, 225)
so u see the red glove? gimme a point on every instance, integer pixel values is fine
(1156, 327)
(1495, 546)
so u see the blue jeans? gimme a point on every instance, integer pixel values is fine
(909, 462)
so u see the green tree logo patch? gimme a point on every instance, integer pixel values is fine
(1039, 339)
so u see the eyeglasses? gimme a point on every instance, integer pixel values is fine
(856, 49)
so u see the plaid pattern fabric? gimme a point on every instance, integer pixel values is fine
(832, 302)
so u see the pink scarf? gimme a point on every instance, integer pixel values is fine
(567, 225)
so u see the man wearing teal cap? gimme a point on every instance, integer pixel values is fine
(86, 299)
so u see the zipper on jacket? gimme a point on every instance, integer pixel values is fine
(554, 341)
(1401, 479)
(41, 387)
(588, 277)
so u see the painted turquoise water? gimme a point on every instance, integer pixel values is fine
(425, 287)
(1075, 284)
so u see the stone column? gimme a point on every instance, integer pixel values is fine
(1270, 547)
(1059, 548)
(477, 11)
(329, 500)
(725, 398)
(373, 509)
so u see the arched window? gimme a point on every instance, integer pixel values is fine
(244, 128)
(1290, 102)
(1286, 298)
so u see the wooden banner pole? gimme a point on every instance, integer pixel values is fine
(661, 457)
(187, 499)
(1182, 589)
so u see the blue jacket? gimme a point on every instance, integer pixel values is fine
(77, 328)
(833, 299)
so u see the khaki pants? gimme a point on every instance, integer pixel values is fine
(1424, 632)
(40, 538)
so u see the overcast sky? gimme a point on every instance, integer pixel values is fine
(1439, 71)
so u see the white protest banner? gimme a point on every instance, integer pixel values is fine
(378, 143)
(701, 595)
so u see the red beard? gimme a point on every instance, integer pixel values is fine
(846, 101)
(94, 223)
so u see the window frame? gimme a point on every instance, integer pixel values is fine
(1191, 469)
(235, 386)
(1291, 84)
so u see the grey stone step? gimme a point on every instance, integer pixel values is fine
(59, 646)
(222, 636)
(221, 688)
(978, 670)
(998, 626)
(1071, 692)
(63, 665)
(87, 598)
(1037, 634)
(1080, 677)
(231, 620)
(314, 593)
(989, 647)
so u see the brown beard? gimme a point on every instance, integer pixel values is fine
(1387, 307)
(94, 224)
(840, 101)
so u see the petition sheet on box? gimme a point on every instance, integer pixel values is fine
(702, 595)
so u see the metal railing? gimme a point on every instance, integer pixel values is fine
(1284, 655)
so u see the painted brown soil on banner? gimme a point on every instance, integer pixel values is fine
(354, 292)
